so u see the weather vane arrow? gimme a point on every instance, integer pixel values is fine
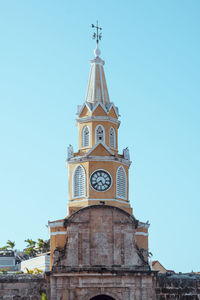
(98, 34)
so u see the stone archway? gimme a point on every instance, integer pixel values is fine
(102, 297)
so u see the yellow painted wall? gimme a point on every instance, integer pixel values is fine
(56, 241)
(91, 166)
(142, 241)
(92, 126)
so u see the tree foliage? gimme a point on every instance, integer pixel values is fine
(30, 249)
(4, 248)
(33, 248)
(43, 246)
(8, 247)
(10, 244)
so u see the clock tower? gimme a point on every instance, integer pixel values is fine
(100, 229)
(98, 173)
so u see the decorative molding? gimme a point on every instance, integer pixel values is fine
(89, 199)
(97, 60)
(98, 118)
(79, 159)
(97, 144)
(78, 274)
(59, 233)
(102, 87)
(143, 225)
(141, 233)
(70, 152)
(95, 71)
(55, 224)
(126, 153)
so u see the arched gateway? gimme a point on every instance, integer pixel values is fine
(102, 297)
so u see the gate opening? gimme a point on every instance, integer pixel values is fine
(102, 297)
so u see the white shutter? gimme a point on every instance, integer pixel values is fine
(85, 137)
(121, 183)
(79, 182)
(112, 138)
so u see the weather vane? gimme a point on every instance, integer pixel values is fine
(97, 35)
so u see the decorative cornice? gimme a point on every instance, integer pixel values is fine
(59, 233)
(98, 118)
(79, 159)
(141, 233)
(143, 225)
(93, 106)
(55, 224)
(99, 199)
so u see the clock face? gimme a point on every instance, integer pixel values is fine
(100, 180)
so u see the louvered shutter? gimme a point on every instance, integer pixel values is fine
(121, 183)
(85, 137)
(79, 182)
(112, 138)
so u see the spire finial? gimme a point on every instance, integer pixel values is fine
(97, 35)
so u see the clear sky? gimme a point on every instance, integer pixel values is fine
(151, 50)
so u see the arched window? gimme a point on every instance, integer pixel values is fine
(100, 134)
(112, 138)
(121, 183)
(78, 182)
(85, 136)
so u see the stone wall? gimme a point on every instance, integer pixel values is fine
(100, 235)
(120, 285)
(23, 286)
(165, 287)
(178, 287)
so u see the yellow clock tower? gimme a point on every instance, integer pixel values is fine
(98, 177)
(98, 174)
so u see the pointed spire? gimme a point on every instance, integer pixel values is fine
(97, 87)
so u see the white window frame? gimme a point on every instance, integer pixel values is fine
(118, 183)
(83, 137)
(114, 138)
(103, 141)
(73, 183)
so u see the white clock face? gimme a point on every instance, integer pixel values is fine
(100, 180)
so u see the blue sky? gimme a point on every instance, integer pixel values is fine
(151, 50)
